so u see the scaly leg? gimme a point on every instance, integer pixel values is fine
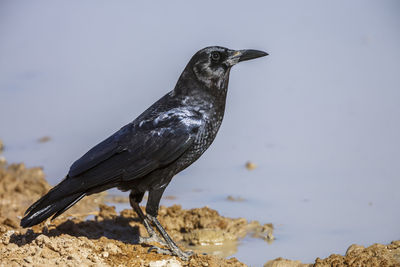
(134, 200)
(151, 214)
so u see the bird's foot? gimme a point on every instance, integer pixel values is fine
(183, 255)
(159, 250)
(152, 238)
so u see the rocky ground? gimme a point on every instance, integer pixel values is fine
(377, 255)
(93, 234)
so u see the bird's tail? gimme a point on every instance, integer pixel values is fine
(56, 201)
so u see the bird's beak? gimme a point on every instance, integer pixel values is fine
(249, 54)
(246, 54)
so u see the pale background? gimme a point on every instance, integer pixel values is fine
(320, 116)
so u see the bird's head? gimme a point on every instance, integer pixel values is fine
(211, 65)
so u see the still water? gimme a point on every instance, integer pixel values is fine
(320, 116)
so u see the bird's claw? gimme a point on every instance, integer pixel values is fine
(185, 256)
(159, 250)
(188, 253)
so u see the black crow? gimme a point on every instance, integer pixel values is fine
(145, 154)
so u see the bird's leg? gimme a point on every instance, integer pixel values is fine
(151, 214)
(173, 248)
(134, 199)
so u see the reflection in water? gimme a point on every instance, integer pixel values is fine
(226, 249)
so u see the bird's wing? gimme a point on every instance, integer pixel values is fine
(136, 150)
(101, 152)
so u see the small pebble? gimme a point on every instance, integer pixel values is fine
(44, 139)
(250, 166)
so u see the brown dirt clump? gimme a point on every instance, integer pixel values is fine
(108, 239)
(44, 139)
(250, 165)
(204, 226)
(280, 262)
(377, 255)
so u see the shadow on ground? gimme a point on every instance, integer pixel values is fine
(118, 229)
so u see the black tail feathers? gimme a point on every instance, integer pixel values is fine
(60, 198)
(43, 208)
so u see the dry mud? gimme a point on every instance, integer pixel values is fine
(377, 255)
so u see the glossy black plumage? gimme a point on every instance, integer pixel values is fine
(145, 154)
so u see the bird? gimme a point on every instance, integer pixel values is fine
(144, 155)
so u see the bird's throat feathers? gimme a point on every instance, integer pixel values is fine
(200, 78)
(213, 77)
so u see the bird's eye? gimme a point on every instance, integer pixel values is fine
(215, 56)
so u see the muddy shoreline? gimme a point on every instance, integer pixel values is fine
(108, 238)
